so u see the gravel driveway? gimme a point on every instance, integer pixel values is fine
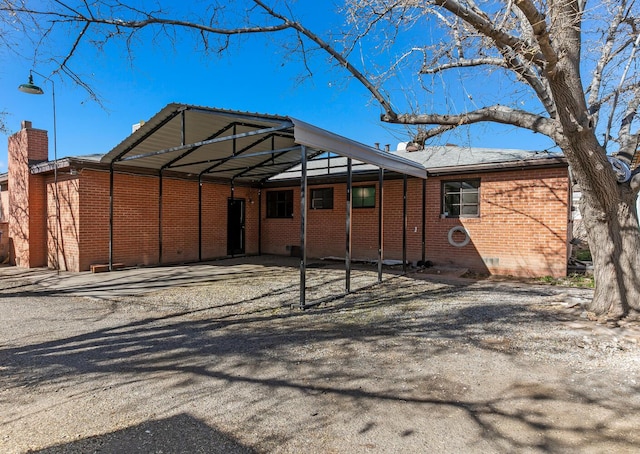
(224, 365)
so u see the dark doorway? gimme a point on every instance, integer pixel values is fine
(235, 227)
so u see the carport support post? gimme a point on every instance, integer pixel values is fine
(424, 218)
(160, 217)
(111, 216)
(347, 259)
(200, 217)
(303, 227)
(404, 223)
(380, 226)
(259, 221)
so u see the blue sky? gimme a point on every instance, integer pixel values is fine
(254, 76)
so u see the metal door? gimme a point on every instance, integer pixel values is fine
(235, 227)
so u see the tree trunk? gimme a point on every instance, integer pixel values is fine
(614, 240)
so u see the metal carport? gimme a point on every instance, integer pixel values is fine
(240, 147)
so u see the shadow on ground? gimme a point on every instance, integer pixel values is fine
(178, 434)
(386, 345)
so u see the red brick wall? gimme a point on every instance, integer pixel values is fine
(214, 220)
(4, 205)
(93, 219)
(136, 219)
(5, 251)
(522, 229)
(66, 231)
(251, 225)
(326, 229)
(179, 220)
(18, 186)
(38, 215)
(27, 206)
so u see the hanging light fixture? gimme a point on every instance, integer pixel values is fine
(30, 87)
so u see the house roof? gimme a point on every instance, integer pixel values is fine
(238, 146)
(451, 159)
(439, 160)
(454, 156)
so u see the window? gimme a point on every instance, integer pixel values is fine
(322, 199)
(280, 204)
(461, 198)
(364, 196)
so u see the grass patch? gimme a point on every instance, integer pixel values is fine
(573, 280)
(584, 256)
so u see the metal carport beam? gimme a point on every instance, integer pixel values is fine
(319, 139)
(238, 157)
(206, 142)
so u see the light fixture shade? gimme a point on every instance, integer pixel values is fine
(30, 87)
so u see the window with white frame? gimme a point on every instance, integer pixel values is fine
(461, 198)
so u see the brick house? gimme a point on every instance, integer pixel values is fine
(195, 184)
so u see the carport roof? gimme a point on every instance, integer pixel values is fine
(238, 146)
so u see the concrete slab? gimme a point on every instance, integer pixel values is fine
(135, 281)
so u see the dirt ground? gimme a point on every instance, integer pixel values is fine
(225, 365)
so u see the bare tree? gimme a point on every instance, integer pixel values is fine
(3, 125)
(538, 48)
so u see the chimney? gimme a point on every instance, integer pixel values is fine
(27, 196)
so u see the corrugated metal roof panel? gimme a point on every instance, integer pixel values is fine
(238, 146)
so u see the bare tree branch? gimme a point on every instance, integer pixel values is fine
(525, 73)
(484, 25)
(384, 102)
(605, 58)
(152, 20)
(622, 80)
(628, 141)
(539, 26)
(75, 44)
(425, 135)
(496, 114)
(464, 63)
(510, 61)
